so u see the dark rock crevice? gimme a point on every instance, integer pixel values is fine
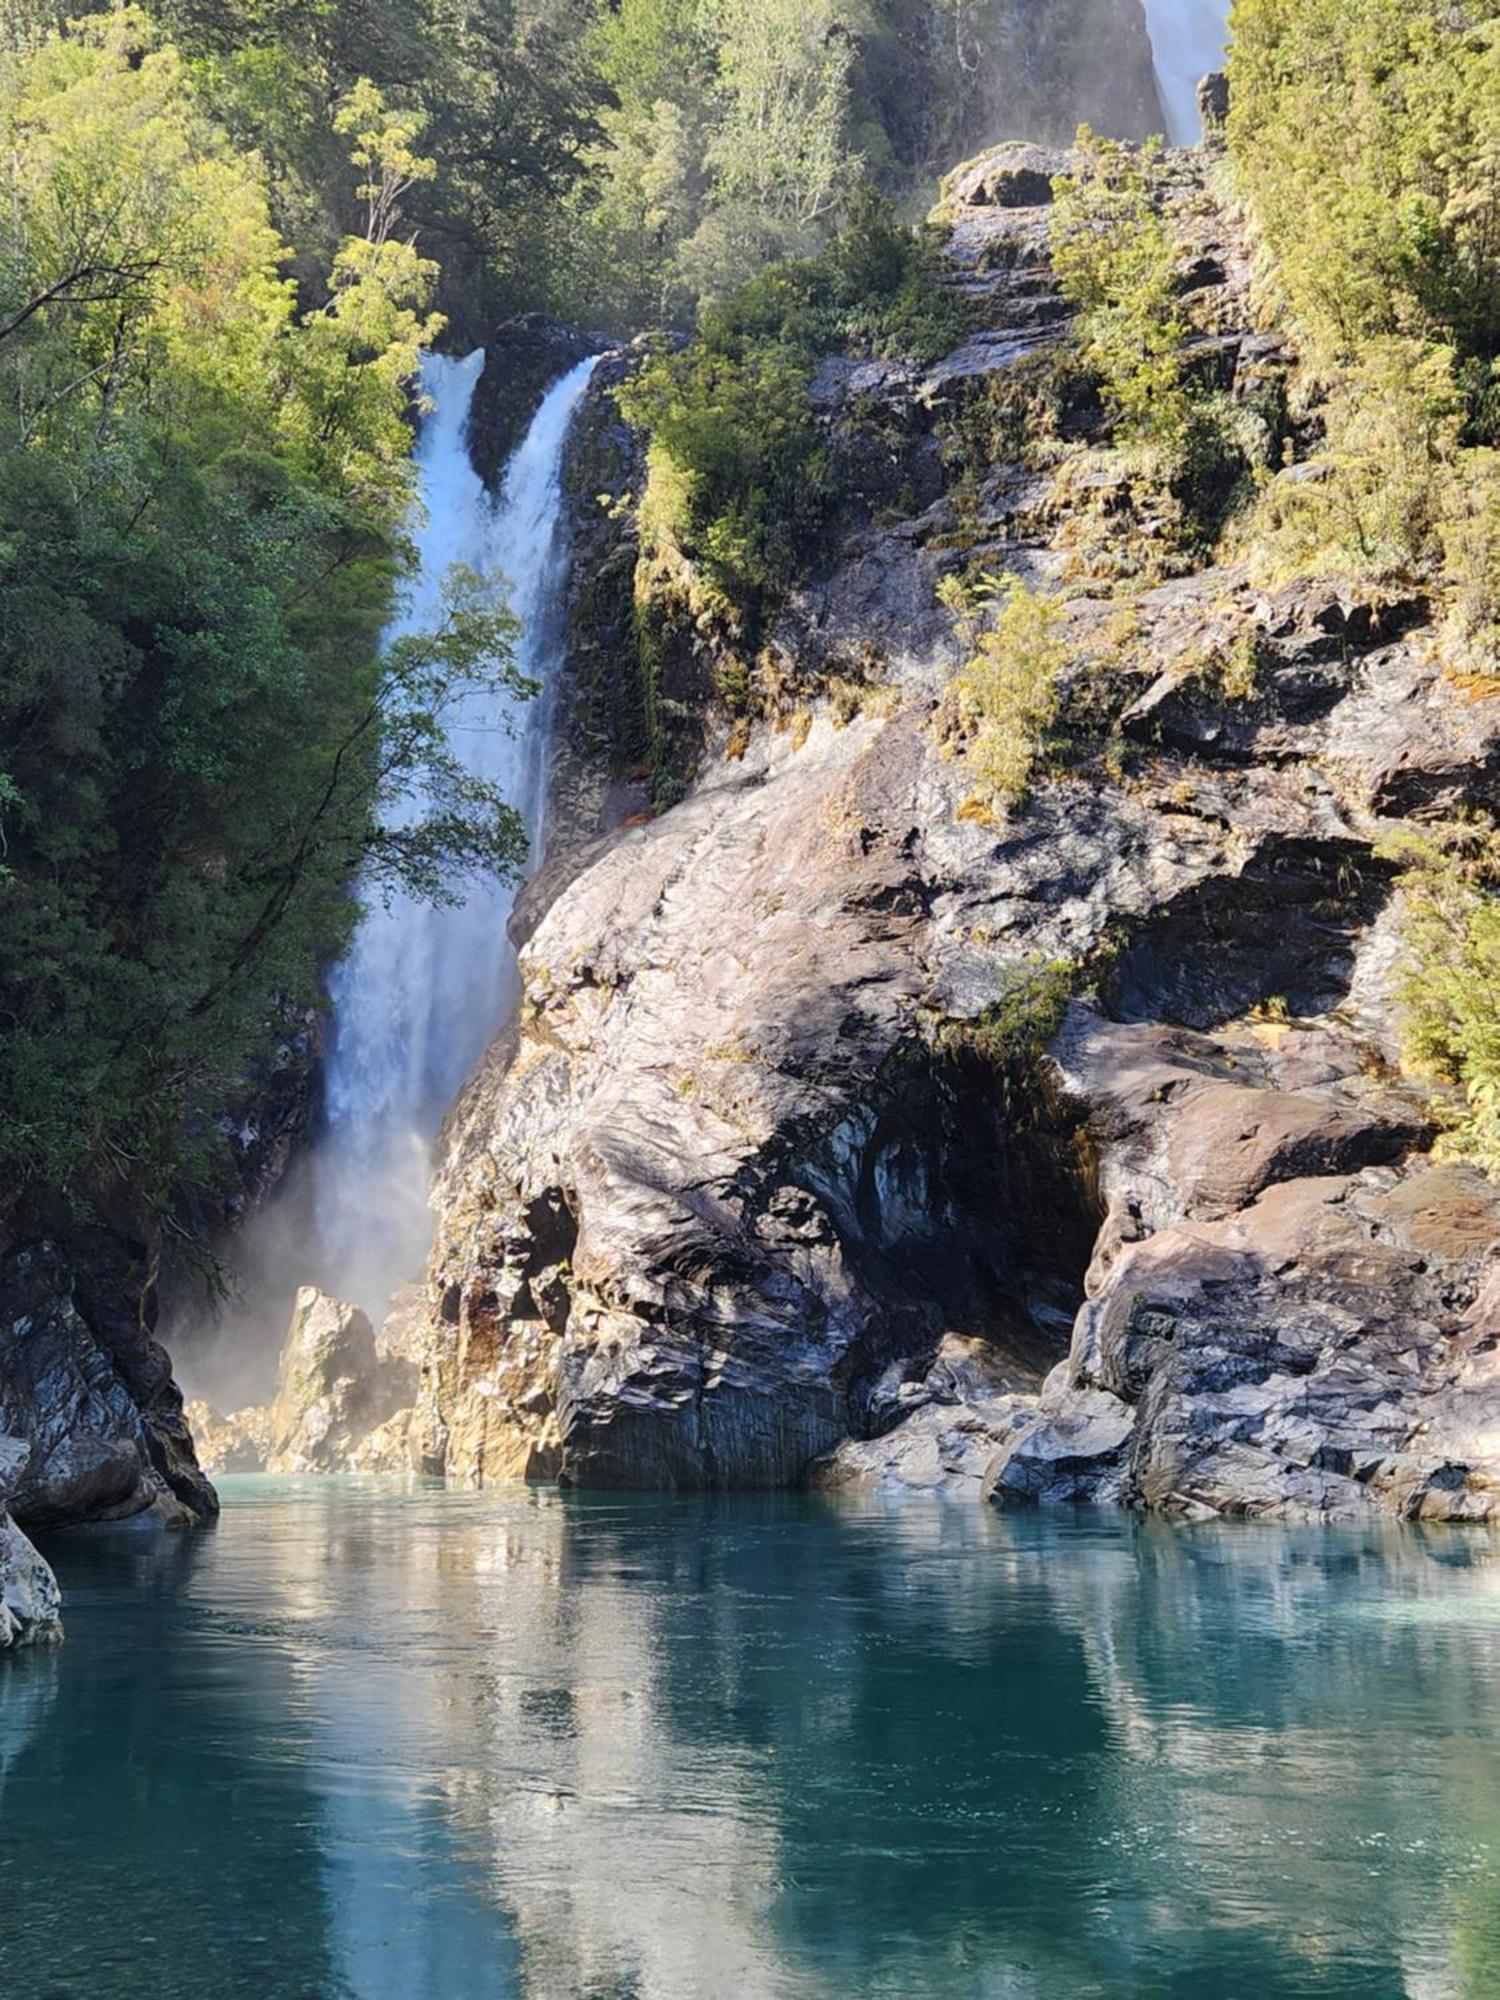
(964, 1206)
(1282, 932)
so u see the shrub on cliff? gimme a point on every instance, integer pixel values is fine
(1375, 499)
(1366, 136)
(1004, 699)
(1115, 259)
(736, 445)
(1380, 235)
(1451, 896)
(740, 475)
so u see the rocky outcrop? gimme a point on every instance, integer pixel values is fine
(523, 358)
(1213, 104)
(30, 1607)
(343, 1400)
(84, 1382)
(85, 1378)
(238, 1443)
(1291, 1310)
(777, 1176)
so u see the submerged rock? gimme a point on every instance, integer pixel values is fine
(30, 1603)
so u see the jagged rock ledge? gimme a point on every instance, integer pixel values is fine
(343, 1401)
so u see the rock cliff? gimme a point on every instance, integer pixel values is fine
(343, 1401)
(850, 1133)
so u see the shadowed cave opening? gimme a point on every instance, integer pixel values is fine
(1286, 929)
(968, 1209)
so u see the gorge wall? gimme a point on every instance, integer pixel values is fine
(847, 1133)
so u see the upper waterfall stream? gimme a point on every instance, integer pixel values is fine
(1188, 40)
(424, 990)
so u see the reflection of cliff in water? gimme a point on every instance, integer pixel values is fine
(435, 1745)
(938, 1753)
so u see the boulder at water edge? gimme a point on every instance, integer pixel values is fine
(30, 1605)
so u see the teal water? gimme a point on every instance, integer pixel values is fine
(363, 1744)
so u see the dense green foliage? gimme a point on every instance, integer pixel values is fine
(1113, 257)
(204, 491)
(1365, 136)
(740, 474)
(619, 160)
(1366, 139)
(1453, 977)
(504, 93)
(1005, 698)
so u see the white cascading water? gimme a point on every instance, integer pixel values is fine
(424, 990)
(1188, 40)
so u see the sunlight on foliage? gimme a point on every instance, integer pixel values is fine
(1451, 991)
(205, 503)
(1114, 260)
(1005, 699)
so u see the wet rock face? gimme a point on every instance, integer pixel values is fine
(753, 1192)
(84, 1382)
(523, 358)
(1290, 1309)
(30, 1606)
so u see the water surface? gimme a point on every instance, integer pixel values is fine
(399, 1745)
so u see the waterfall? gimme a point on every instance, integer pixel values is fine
(1188, 40)
(423, 990)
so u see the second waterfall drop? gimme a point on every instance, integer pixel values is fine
(1188, 40)
(423, 990)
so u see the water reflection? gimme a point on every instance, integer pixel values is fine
(359, 1742)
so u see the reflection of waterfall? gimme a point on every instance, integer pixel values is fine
(1188, 39)
(424, 990)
